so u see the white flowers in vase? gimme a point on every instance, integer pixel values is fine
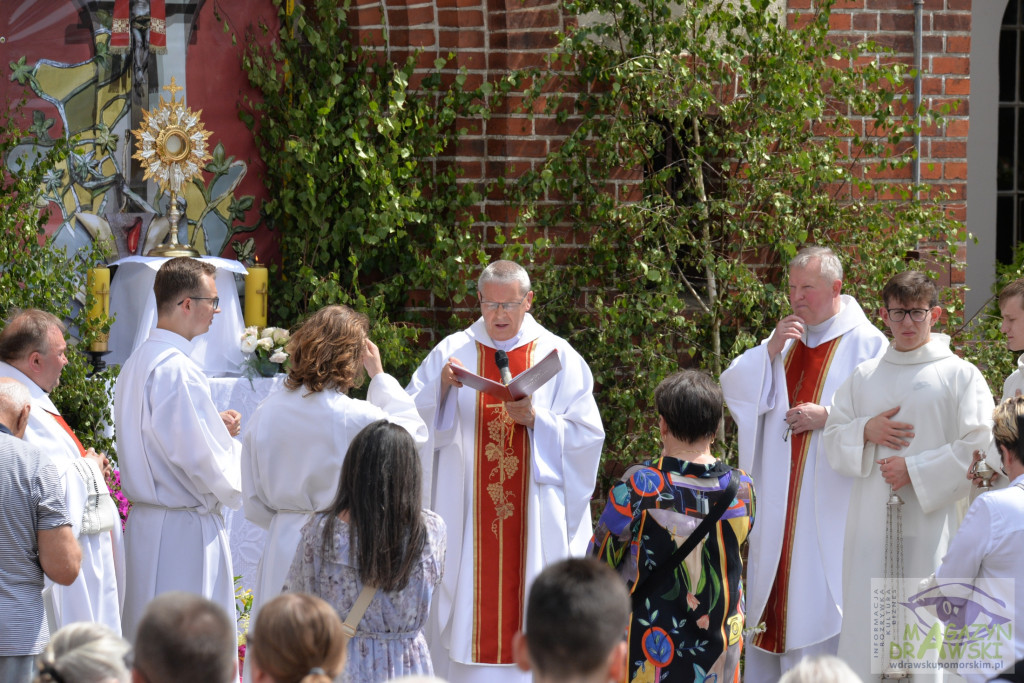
(266, 350)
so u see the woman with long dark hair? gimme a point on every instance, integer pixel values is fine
(376, 533)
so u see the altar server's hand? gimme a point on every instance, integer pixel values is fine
(894, 471)
(790, 327)
(806, 417)
(975, 479)
(448, 378)
(102, 460)
(233, 421)
(521, 411)
(371, 359)
(886, 432)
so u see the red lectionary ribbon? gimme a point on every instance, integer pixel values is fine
(157, 27)
(121, 30)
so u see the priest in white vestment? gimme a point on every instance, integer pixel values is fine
(779, 394)
(179, 463)
(32, 347)
(907, 422)
(512, 480)
(296, 441)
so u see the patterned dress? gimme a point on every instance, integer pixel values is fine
(691, 630)
(389, 641)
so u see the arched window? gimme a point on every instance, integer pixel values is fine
(1010, 156)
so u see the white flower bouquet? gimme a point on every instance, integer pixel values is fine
(265, 349)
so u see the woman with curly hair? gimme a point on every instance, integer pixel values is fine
(376, 534)
(297, 638)
(293, 448)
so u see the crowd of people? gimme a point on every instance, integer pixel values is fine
(436, 530)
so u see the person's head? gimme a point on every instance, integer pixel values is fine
(820, 669)
(327, 350)
(184, 637)
(576, 618)
(1007, 429)
(15, 405)
(33, 342)
(1011, 308)
(186, 296)
(689, 404)
(297, 638)
(380, 489)
(911, 309)
(84, 652)
(503, 289)
(815, 283)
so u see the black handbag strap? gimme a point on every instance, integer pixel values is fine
(657, 577)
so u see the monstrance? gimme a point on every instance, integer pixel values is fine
(172, 149)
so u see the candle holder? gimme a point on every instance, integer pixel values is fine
(96, 360)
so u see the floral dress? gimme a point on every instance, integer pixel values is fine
(691, 629)
(389, 641)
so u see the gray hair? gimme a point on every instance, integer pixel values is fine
(504, 272)
(828, 263)
(14, 395)
(84, 652)
(821, 669)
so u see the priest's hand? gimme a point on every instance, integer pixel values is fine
(102, 460)
(448, 378)
(521, 411)
(886, 432)
(894, 471)
(233, 421)
(806, 417)
(371, 359)
(790, 327)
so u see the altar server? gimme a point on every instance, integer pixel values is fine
(779, 393)
(296, 441)
(907, 422)
(179, 464)
(512, 481)
(32, 347)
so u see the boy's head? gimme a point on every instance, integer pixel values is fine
(1011, 308)
(576, 619)
(910, 309)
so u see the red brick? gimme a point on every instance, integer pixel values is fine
(958, 86)
(959, 5)
(510, 61)
(839, 21)
(798, 4)
(417, 16)
(948, 149)
(371, 16)
(894, 21)
(461, 38)
(951, 65)
(865, 21)
(949, 22)
(465, 19)
(958, 44)
(954, 170)
(848, 4)
(504, 125)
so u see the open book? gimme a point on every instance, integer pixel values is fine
(521, 386)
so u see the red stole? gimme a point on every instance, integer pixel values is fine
(501, 480)
(67, 428)
(806, 370)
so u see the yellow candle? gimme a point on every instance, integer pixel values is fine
(256, 296)
(97, 281)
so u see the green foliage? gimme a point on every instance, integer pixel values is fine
(35, 274)
(737, 140)
(365, 212)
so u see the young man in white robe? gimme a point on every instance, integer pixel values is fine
(512, 480)
(179, 463)
(1011, 308)
(32, 351)
(779, 393)
(908, 423)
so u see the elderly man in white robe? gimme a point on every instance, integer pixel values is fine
(512, 480)
(779, 393)
(32, 347)
(907, 423)
(179, 463)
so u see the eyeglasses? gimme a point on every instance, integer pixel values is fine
(507, 306)
(916, 314)
(215, 300)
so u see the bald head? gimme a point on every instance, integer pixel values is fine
(15, 404)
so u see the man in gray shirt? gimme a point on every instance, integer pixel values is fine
(35, 538)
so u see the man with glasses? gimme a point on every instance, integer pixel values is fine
(907, 423)
(512, 480)
(779, 394)
(179, 464)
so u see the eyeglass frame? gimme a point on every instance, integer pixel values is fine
(214, 299)
(904, 312)
(507, 306)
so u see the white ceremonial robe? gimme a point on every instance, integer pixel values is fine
(292, 453)
(758, 399)
(946, 400)
(97, 592)
(1015, 382)
(179, 465)
(565, 446)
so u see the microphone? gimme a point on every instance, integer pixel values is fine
(501, 360)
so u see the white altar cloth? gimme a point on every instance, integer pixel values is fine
(133, 306)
